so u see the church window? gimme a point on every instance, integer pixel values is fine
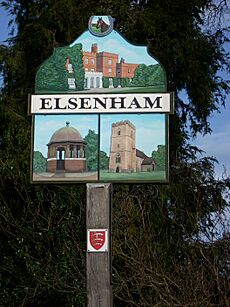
(118, 145)
(119, 132)
(118, 158)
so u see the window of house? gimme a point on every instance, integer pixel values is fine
(86, 61)
(119, 132)
(110, 70)
(128, 70)
(92, 69)
(118, 145)
(92, 61)
(110, 62)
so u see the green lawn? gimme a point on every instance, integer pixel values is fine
(147, 89)
(138, 176)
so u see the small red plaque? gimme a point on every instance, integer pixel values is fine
(97, 240)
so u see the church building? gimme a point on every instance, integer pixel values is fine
(124, 157)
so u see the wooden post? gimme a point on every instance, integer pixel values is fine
(99, 289)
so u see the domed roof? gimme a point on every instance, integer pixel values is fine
(66, 134)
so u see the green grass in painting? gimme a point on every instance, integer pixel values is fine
(149, 89)
(138, 176)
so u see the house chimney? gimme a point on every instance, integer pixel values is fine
(94, 48)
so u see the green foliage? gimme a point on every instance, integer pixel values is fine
(52, 75)
(92, 150)
(124, 82)
(42, 228)
(159, 157)
(105, 82)
(149, 75)
(39, 162)
(116, 82)
(104, 160)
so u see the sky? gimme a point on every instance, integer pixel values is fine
(46, 125)
(151, 126)
(217, 144)
(115, 43)
(150, 130)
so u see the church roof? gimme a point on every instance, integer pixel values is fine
(66, 134)
(148, 161)
(140, 154)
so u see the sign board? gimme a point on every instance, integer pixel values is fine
(97, 240)
(100, 112)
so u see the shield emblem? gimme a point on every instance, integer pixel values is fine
(97, 239)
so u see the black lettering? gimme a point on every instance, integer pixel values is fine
(45, 102)
(84, 103)
(97, 100)
(151, 104)
(134, 103)
(57, 101)
(73, 103)
(114, 102)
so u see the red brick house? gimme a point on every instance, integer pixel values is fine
(107, 63)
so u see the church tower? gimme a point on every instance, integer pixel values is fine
(123, 147)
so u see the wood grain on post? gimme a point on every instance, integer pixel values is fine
(99, 289)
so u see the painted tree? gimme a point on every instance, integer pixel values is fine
(43, 227)
(92, 150)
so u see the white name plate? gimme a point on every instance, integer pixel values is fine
(101, 103)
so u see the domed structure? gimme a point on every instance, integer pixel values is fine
(66, 151)
(66, 134)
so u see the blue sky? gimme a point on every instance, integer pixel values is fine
(151, 126)
(115, 43)
(216, 144)
(46, 125)
(150, 130)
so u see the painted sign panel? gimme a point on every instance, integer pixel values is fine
(97, 240)
(100, 112)
(130, 147)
